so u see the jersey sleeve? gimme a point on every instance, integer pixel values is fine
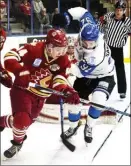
(13, 59)
(77, 12)
(82, 15)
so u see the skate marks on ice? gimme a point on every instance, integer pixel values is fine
(116, 150)
(43, 146)
(83, 154)
(38, 149)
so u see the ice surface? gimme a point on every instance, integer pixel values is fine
(44, 147)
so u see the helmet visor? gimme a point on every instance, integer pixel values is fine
(88, 44)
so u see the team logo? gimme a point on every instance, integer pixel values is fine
(54, 67)
(37, 62)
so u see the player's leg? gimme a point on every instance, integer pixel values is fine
(53, 99)
(100, 95)
(21, 102)
(74, 115)
(82, 86)
(6, 121)
(38, 104)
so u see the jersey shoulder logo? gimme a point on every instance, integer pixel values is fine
(37, 62)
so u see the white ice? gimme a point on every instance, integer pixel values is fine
(44, 147)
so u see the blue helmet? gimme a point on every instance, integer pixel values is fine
(89, 32)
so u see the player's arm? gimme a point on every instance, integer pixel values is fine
(12, 62)
(77, 13)
(61, 83)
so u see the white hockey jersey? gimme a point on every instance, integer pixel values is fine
(96, 64)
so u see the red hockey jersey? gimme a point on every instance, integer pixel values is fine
(43, 70)
(2, 38)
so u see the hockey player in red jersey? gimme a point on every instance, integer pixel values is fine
(44, 63)
(5, 78)
(54, 99)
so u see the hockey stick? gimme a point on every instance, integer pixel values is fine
(81, 100)
(110, 133)
(70, 146)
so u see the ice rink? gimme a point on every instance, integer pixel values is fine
(44, 147)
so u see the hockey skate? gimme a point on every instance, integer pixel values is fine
(71, 131)
(14, 149)
(88, 134)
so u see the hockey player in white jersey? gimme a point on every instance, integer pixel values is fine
(95, 75)
(94, 70)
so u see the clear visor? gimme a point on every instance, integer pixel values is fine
(88, 44)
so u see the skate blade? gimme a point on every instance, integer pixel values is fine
(3, 158)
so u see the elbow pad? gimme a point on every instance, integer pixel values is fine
(77, 12)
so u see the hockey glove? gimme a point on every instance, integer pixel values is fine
(5, 78)
(61, 20)
(22, 78)
(72, 96)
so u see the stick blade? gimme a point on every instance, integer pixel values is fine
(70, 146)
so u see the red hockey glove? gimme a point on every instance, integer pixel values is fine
(5, 78)
(72, 96)
(22, 78)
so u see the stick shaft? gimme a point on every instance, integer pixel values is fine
(81, 100)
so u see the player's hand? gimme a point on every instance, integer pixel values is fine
(22, 78)
(5, 78)
(61, 20)
(72, 96)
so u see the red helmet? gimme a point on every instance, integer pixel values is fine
(56, 37)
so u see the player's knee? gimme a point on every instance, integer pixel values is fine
(21, 120)
(99, 97)
(94, 112)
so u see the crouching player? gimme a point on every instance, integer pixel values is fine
(44, 63)
(94, 69)
(95, 75)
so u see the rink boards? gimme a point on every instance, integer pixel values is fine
(51, 114)
(17, 41)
